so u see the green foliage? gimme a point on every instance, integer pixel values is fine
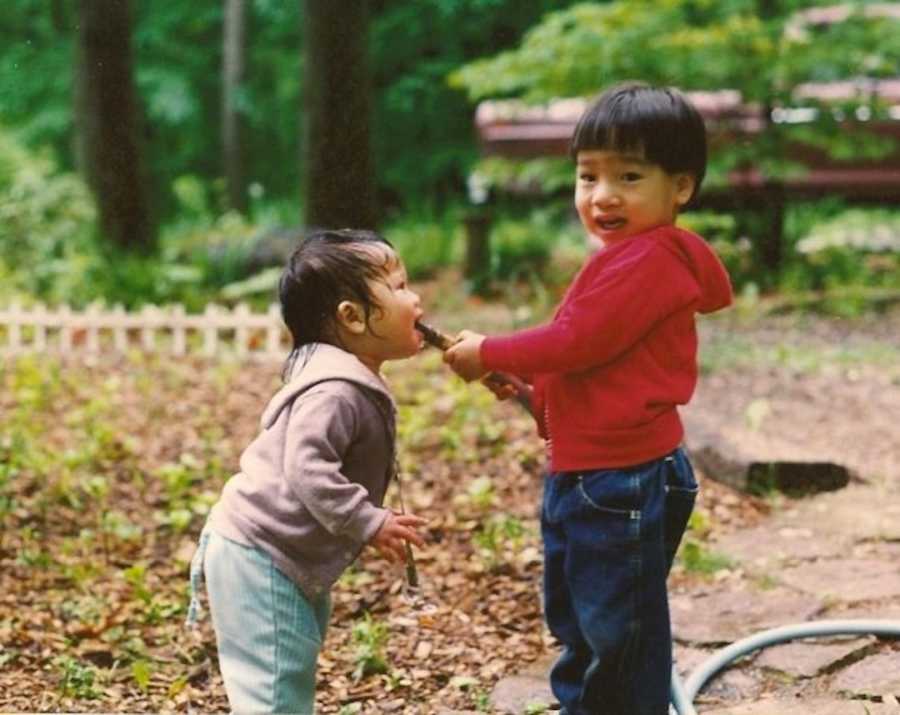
(705, 46)
(426, 239)
(696, 558)
(854, 247)
(523, 248)
(498, 539)
(723, 233)
(370, 638)
(76, 678)
(49, 250)
(422, 130)
(46, 221)
(545, 175)
(423, 137)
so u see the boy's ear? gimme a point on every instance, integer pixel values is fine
(684, 188)
(352, 317)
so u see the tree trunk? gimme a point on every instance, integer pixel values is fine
(233, 62)
(110, 127)
(771, 245)
(339, 175)
(59, 16)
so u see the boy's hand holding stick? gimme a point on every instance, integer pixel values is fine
(502, 384)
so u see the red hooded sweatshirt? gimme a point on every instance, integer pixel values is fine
(621, 352)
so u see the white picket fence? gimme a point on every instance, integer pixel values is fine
(98, 330)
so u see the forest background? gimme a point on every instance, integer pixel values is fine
(162, 154)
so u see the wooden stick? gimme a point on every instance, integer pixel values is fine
(444, 342)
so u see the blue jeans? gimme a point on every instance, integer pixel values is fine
(268, 633)
(609, 540)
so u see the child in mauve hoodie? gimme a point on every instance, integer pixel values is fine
(308, 496)
(607, 375)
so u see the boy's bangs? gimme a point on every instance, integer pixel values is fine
(621, 127)
(624, 139)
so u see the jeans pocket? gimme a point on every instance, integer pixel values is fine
(680, 479)
(608, 513)
(681, 494)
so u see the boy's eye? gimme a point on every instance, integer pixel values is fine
(586, 177)
(631, 176)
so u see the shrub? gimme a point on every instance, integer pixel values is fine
(857, 247)
(47, 219)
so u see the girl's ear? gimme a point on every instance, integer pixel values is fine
(684, 188)
(351, 317)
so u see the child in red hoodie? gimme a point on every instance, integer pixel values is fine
(606, 376)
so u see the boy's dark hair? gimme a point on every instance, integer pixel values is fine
(329, 266)
(659, 123)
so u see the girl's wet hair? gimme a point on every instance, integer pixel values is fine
(657, 123)
(329, 266)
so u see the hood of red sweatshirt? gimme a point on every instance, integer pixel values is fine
(704, 264)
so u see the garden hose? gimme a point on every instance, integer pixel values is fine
(683, 694)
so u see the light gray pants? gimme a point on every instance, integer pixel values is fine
(268, 633)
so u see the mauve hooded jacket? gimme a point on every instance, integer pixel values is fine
(311, 484)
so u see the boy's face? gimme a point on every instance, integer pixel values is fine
(620, 195)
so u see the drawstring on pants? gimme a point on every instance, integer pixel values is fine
(196, 579)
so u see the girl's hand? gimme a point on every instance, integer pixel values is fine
(464, 356)
(396, 529)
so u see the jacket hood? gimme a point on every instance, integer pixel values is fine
(711, 276)
(317, 363)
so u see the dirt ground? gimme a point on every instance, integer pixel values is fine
(82, 631)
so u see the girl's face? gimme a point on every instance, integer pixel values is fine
(391, 332)
(620, 195)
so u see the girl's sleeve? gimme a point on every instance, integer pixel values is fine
(322, 427)
(616, 305)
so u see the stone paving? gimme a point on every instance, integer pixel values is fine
(830, 556)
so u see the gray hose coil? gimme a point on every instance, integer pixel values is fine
(683, 694)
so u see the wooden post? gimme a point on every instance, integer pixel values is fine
(119, 329)
(148, 338)
(477, 266)
(39, 313)
(210, 330)
(241, 333)
(273, 332)
(14, 337)
(92, 322)
(179, 341)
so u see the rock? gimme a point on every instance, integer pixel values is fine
(729, 612)
(858, 512)
(766, 548)
(754, 464)
(875, 676)
(848, 580)
(805, 659)
(732, 684)
(516, 693)
(804, 707)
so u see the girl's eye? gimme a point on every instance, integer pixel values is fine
(586, 178)
(631, 176)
